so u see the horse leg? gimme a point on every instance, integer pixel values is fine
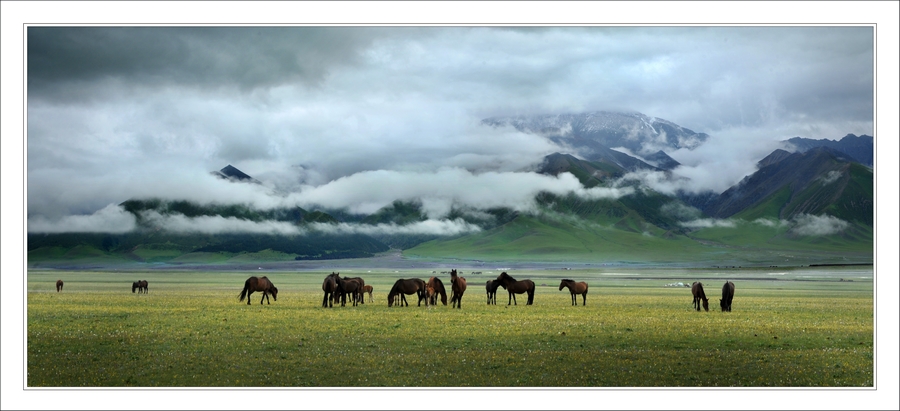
(583, 299)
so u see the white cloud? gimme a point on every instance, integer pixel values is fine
(179, 223)
(708, 223)
(427, 227)
(813, 225)
(110, 219)
(831, 177)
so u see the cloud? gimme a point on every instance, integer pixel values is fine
(125, 112)
(440, 191)
(181, 224)
(110, 219)
(813, 225)
(427, 227)
(770, 222)
(708, 223)
(831, 177)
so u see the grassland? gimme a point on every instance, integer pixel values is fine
(788, 328)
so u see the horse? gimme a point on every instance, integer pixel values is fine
(491, 287)
(575, 289)
(368, 289)
(59, 284)
(457, 288)
(140, 286)
(429, 295)
(727, 296)
(329, 286)
(261, 284)
(404, 287)
(516, 287)
(350, 286)
(438, 286)
(697, 291)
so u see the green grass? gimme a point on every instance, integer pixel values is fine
(191, 330)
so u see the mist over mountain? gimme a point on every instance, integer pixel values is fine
(609, 195)
(860, 148)
(587, 134)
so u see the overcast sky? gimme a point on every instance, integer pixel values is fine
(357, 117)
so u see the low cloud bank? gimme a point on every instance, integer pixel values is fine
(810, 225)
(110, 219)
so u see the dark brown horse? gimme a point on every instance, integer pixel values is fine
(367, 289)
(457, 289)
(697, 291)
(516, 287)
(575, 289)
(491, 287)
(261, 284)
(727, 296)
(140, 286)
(59, 284)
(404, 287)
(360, 291)
(329, 286)
(351, 287)
(438, 286)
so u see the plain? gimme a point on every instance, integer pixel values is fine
(790, 327)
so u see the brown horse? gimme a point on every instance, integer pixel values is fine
(491, 287)
(575, 289)
(351, 286)
(457, 288)
(438, 289)
(140, 286)
(261, 284)
(329, 286)
(59, 284)
(516, 287)
(697, 291)
(404, 287)
(727, 296)
(367, 289)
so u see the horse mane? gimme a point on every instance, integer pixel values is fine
(568, 279)
(507, 275)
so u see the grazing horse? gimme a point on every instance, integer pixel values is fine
(140, 286)
(402, 288)
(457, 288)
(59, 284)
(329, 286)
(575, 289)
(491, 286)
(261, 284)
(350, 286)
(438, 289)
(359, 290)
(727, 296)
(697, 290)
(367, 289)
(516, 287)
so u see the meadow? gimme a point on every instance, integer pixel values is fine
(800, 327)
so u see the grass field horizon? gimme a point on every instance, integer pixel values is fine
(790, 327)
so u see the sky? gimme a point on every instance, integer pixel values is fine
(357, 117)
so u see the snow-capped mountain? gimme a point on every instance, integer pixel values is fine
(641, 134)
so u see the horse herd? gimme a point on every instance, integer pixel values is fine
(700, 296)
(339, 288)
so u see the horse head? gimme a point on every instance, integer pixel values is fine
(134, 286)
(706, 304)
(274, 292)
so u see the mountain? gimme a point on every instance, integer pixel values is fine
(756, 220)
(861, 149)
(230, 172)
(585, 133)
(819, 181)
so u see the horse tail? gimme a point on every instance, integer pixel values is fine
(531, 294)
(246, 288)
